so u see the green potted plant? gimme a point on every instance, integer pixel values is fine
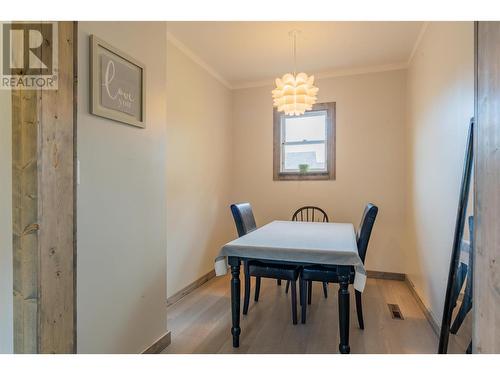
(303, 168)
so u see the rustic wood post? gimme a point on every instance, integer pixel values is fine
(43, 137)
(486, 305)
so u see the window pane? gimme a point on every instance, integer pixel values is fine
(309, 127)
(310, 154)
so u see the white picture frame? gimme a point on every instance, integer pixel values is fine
(117, 84)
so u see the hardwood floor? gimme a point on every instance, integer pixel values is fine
(201, 321)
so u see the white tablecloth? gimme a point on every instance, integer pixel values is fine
(302, 242)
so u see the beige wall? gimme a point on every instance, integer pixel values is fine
(198, 169)
(369, 159)
(121, 270)
(6, 300)
(440, 104)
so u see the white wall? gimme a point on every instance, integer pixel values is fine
(440, 104)
(6, 300)
(369, 160)
(121, 270)
(198, 169)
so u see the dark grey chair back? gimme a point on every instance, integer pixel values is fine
(243, 218)
(310, 213)
(365, 229)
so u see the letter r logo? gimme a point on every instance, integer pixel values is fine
(28, 49)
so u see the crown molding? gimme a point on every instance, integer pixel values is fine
(318, 75)
(361, 70)
(197, 59)
(417, 41)
(329, 74)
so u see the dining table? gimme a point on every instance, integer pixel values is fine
(302, 244)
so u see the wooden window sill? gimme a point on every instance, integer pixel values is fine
(304, 176)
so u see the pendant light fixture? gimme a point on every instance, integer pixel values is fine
(294, 93)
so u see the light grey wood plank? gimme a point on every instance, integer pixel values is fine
(43, 123)
(25, 130)
(56, 189)
(486, 313)
(201, 322)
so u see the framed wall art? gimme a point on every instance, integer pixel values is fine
(117, 84)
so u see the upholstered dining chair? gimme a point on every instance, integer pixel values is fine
(329, 273)
(245, 223)
(310, 213)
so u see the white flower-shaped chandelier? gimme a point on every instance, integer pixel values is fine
(294, 93)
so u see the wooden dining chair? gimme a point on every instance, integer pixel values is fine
(311, 214)
(330, 274)
(245, 223)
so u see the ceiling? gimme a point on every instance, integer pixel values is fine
(245, 53)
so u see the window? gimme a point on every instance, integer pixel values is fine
(304, 145)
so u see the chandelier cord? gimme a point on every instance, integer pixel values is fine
(295, 53)
(294, 93)
(294, 34)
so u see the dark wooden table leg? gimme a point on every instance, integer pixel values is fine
(234, 262)
(303, 300)
(344, 309)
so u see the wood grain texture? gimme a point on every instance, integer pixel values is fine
(43, 125)
(201, 322)
(25, 129)
(210, 275)
(486, 311)
(56, 189)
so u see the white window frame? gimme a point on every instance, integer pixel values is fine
(284, 143)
